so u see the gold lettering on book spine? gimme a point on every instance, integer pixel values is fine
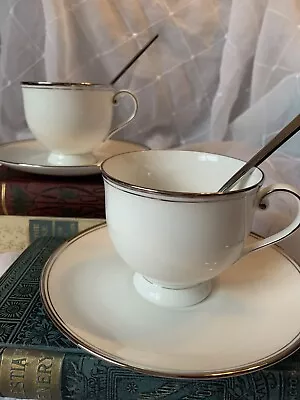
(3, 198)
(31, 374)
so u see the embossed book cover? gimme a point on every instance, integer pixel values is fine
(35, 195)
(37, 361)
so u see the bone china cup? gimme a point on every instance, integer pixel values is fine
(71, 119)
(167, 222)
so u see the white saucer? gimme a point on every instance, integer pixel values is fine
(248, 322)
(31, 156)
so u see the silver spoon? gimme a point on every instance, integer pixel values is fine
(133, 60)
(284, 135)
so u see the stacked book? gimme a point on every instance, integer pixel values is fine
(35, 195)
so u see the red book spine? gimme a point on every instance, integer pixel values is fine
(30, 196)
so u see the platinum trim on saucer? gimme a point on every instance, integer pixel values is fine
(273, 358)
(149, 191)
(97, 164)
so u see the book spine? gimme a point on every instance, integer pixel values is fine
(35, 374)
(52, 200)
(30, 374)
(19, 232)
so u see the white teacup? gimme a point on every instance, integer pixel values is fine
(71, 119)
(170, 226)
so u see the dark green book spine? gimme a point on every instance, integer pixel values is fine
(35, 374)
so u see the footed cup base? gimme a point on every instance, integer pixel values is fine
(171, 297)
(71, 159)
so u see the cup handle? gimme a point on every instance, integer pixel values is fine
(262, 204)
(122, 125)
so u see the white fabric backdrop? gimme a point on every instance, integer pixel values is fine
(222, 69)
(224, 74)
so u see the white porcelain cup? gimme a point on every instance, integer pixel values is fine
(72, 119)
(169, 224)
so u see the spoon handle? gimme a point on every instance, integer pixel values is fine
(285, 134)
(133, 60)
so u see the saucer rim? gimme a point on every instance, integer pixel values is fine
(51, 167)
(287, 350)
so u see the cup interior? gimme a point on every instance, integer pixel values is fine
(177, 171)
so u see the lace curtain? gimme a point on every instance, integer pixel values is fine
(221, 69)
(224, 75)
